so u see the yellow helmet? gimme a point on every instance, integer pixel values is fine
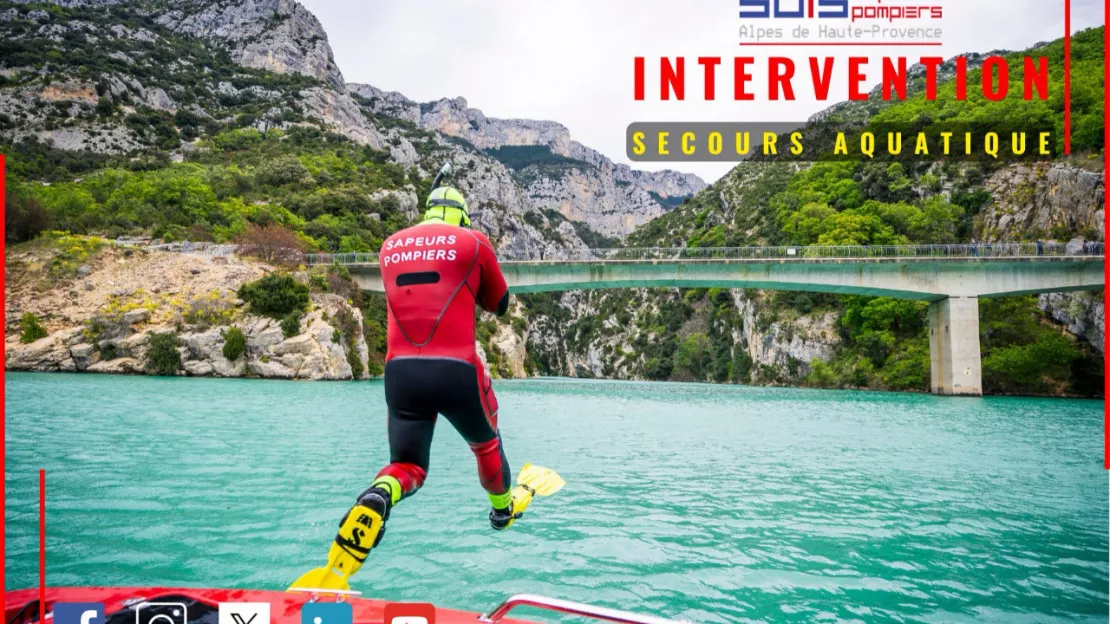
(448, 205)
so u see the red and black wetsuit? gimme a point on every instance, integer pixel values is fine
(434, 275)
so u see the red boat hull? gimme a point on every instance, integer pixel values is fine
(285, 607)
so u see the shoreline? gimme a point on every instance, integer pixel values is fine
(549, 378)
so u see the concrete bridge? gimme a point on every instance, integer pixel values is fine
(952, 278)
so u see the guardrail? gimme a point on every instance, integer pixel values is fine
(200, 249)
(815, 252)
(570, 608)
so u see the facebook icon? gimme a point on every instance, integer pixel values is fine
(78, 613)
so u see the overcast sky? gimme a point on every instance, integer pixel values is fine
(571, 60)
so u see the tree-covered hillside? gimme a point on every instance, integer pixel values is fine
(318, 184)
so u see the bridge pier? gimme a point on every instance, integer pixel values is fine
(956, 364)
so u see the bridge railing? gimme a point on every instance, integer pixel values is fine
(200, 249)
(342, 258)
(811, 252)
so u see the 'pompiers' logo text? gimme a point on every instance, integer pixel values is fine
(860, 10)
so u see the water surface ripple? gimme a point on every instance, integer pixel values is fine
(711, 503)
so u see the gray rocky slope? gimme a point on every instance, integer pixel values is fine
(282, 37)
(611, 198)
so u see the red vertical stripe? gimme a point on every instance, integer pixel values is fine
(42, 545)
(3, 323)
(1067, 77)
(1106, 233)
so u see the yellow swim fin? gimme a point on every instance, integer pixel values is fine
(358, 534)
(531, 481)
(542, 481)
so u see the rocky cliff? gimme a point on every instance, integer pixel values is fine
(101, 68)
(121, 77)
(101, 316)
(274, 35)
(583, 185)
(1043, 200)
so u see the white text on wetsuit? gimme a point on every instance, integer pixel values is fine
(432, 244)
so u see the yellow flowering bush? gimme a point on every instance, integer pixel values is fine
(211, 308)
(71, 251)
(118, 305)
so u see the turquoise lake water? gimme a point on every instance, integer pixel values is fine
(710, 503)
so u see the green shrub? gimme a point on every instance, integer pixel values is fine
(1032, 368)
(30, 329)
(821, 375)
(740, 368)
(319, 282)
(235, 343)
(283, 170)
(691, 358)
(277, 295)
(163, 358)
(347, 324)
(909, 370)
(108, 351)
(375, 367)
(355, 361)
(213, 308)
(94, 327)
(291, 324)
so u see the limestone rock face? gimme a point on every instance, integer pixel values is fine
(197, 368)
(303, 345)
(586, 365)
(1034, 200)
(595, 196)
(271, 369)
(118, 366)
(84, 355)
(455, 118)
(406, 200)
(1082, 314)
(786, 344)
(264, 334)
(388, 103)
(49, 354)
(780, 351)
(338, 109)
(513, 351)
(586, 187)
(312, 354)
(276, 35)
(279, 36)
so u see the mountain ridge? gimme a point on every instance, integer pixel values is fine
(454, 117)
(137, 45)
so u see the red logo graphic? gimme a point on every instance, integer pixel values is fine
(410, 613)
